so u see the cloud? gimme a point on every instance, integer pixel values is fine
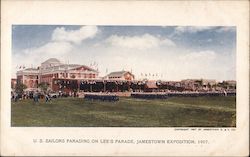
(74, 36)
(209, 40)
(226, 29)
(35, 56)
(62, 42)
(51, 48)
(202, 64)
(191, 29)
(203, 56)
(194, 29)
(117, 52)
(206, 64)
(61, 45)
(143, 42)
(176, 64)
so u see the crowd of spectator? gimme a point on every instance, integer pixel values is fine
(37, 96)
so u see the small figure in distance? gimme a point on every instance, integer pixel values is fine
(35, 96)
(47, 98)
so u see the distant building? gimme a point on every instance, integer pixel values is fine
(196, 84)
(29, 77)
(190, 84)
(151, 86)
(52, 70)
(13, 83)
(69, 78)
(120, 75)
(209, 82)
(230, 82)
(174, 83)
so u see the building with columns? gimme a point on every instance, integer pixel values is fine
(29, 77)
(52, 70)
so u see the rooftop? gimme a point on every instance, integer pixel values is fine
(51, 60)
(118, 73)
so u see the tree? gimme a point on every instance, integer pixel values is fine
(200, 82)
(223, 84)
(215, 85)
(43, 86)
(20, 88)
(209, 85)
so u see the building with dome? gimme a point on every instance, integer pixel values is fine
(52, 71)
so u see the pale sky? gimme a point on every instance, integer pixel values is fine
(170, 52)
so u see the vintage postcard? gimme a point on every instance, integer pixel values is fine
(83, 83)
(139, 76)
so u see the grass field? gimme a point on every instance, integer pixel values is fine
(172, 112)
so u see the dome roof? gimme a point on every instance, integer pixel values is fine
(51, 60)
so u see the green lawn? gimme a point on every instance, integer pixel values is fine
(172, 112)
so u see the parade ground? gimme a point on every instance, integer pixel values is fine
(127, 112)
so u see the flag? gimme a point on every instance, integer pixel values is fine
(96, 65)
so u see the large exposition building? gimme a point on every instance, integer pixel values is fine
(53, 70)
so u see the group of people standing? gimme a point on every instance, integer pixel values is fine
(34, 95)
